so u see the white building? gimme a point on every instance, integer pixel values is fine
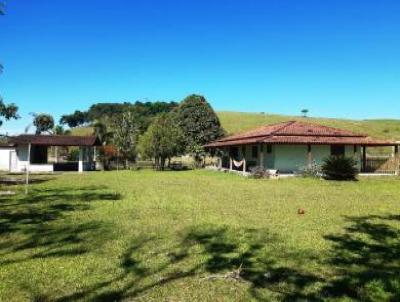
(292, 146)
(24, 152)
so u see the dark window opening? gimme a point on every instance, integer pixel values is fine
(254, 151)
(337, 150)
(38, 155)
(234, 152)
(244, 151)
(269, 149)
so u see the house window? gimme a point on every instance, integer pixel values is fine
(254, 151)
(269, 149)
(337, 150)
(244, 151)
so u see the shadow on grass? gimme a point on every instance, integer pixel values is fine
(363, 264)
(367, 259)
(203, 252)
(40, 225)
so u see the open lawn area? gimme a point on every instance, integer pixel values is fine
(199, 236)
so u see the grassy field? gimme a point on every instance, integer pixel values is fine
(236, 122)
(187, 236)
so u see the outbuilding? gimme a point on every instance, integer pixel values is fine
(19, 153)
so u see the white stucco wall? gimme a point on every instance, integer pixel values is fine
(5, 159)
(319, 153)
(289, 158)
(293, 158)
(22, 155)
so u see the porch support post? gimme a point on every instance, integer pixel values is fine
(94, 154)
(56, 154)
(244, 165)
(27, 168)
(396, 159)
(309, 156)
(80, 163)
(364, 158)
(261, 155)
(230, 163)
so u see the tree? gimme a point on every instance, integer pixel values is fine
(304, 112)
(7, 111)
(199, 123)
(102, 132)
(125, 135)
(78, 118)
(59, 130)
(43, 122)
(162, 140)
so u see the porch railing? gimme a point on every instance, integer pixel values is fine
(384, 165)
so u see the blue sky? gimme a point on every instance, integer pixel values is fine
(336, 58)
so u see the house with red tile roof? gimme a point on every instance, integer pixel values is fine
(292, 146)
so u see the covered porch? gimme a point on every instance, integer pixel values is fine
(32, 153)
(295, 158)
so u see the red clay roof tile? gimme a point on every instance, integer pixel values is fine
(295, 132)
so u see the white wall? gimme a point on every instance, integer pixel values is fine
(319, 153)
(5, 158)
(35, 168)
(22, 155)
(295, 157)
(289, 158)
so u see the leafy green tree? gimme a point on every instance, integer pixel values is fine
(59, 130)
(304, 112)
(7, 111)
(125, 135)
(102, 132)
(43, 122)
(162, 140)
(199, 123)
(78, 118)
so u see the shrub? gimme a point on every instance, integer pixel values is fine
(258, 172)
(339, 168)
(313, 171)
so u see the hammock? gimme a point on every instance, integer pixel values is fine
(237, 164)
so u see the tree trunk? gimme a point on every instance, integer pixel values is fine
(162, 163)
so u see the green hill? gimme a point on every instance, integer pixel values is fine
(235, 122)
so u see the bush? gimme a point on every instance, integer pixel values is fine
(258, 172)
(339, 168)
(313, 171)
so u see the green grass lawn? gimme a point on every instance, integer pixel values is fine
(177, 236)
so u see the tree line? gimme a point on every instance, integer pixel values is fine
(153, 130)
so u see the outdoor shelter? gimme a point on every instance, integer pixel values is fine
(293, 146)
(30, 152)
